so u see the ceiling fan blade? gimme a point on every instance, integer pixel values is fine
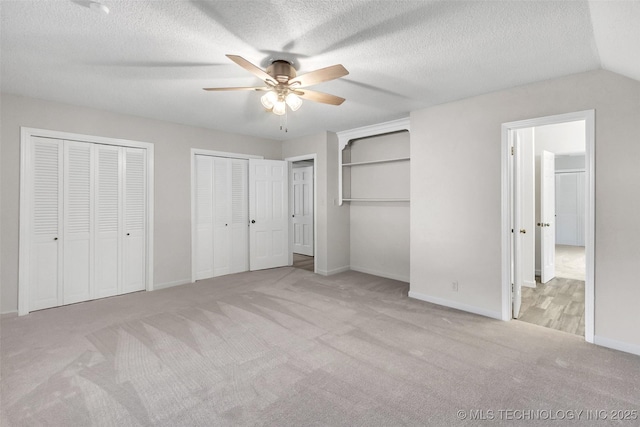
(234, 88)
(255, 70)
(324, 98)
(319, 76)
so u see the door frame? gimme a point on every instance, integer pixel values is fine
(589, 118)
(201, 152)
(26, 133)
(290, 161)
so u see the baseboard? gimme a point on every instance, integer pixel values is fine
(380, 274)
(165, 285)
(617, 345)
(457, 305)
(529, 284)
(9, 312)
(333, 271)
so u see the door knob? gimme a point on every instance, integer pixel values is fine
(55, 238)
(128, 234)
(547, 225)
(523, 231)
(253, 221)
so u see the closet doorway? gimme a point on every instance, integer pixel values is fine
(302, 212)
(239, 213)
(86, 218)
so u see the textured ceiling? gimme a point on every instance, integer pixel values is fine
(151, 58)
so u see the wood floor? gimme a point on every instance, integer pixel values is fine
(558, 304)
(303, 262)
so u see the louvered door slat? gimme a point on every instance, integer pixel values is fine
(135, 202)
(44, 187)
(78, 206)
(108, 208)
(239, 239)
(203, 239)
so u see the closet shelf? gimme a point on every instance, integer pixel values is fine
(373, 162)
(375, 200)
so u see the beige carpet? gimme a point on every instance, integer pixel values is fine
(570, 262)
(286, 347)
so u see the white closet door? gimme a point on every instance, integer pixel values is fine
(135, 213)
(221, 216)
(268, 211)
(239, 215)
(78, 222)
(203, 240)
(45, 189)
(303, 210)
(108, 219)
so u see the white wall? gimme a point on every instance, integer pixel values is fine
(560, 139)
(380, 230)
(456, 195)
(172, 142)
(332, 221)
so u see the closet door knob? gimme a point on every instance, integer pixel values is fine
(253, 221)
(128, 234)
(55, 238)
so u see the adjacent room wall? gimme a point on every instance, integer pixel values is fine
(561, 138)
(380, 230)
(456, 196)
(172, 142)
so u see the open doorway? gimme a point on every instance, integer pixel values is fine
(550, 216)
(302, 213)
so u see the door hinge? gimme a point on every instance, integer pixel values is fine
(512, 150)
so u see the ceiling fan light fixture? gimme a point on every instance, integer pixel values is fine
(269, 99)
(293, 101)
(279, 108)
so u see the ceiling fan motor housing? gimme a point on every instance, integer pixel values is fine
(281, 70)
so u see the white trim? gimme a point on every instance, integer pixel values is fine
(372, 130)
(333, 271)
(201, 152)
(291, 160)
(214, 153)
(617, 345)
(9, 312)
(26, 133)
(363, 132)
(457, 305)
(589, 117)
(529, 284)
(381, 274)
(559, 171)
(171, 284)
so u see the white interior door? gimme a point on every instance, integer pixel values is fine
(203, 239)
(108, 219)
(46, 194)
(268, 211)
(547, 217)
(78, 222)
(221, 216)
(517, 225)
(135, 214)
(303, 210)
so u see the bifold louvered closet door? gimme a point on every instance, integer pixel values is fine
(87, 226)
(221, 216)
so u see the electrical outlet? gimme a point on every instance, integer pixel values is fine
(454, 286)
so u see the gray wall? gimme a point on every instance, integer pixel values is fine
(172, 142)
(380, 230)
(456, 194)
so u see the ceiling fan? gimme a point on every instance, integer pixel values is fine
(284, 88)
